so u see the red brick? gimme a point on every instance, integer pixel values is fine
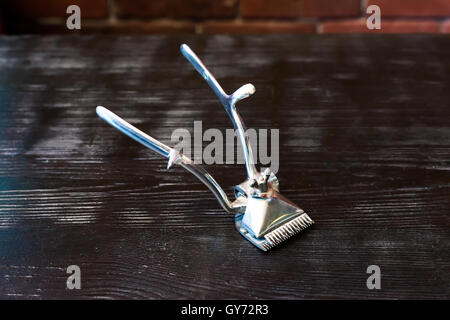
(31, 9)
(204, 8)
(176, 8)
(341, 26)
(141, 8)
(390, 26)
(330, 8)
(296, 8)
(255, 27)
(141, 27)
(270, 8)
(413, 8)
(446, 26)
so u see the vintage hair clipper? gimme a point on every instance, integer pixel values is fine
(262, 215)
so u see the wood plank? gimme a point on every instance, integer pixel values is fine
(364, 149)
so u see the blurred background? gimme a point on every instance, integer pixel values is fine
(224, 16)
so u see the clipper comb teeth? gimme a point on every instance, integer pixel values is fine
(277, 236)
(280, 234)
(287, 230)
(262, 215)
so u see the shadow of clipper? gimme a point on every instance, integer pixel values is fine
(262, 215)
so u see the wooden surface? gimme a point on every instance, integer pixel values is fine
(364, 149)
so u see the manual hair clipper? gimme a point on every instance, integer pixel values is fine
(262, 215)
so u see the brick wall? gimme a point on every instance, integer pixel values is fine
(225, 16)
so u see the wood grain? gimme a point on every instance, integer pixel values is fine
(364, 149)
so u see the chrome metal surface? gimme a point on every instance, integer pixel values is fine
(133, 132)
(173, 155)
(262, 215)
(229, 103)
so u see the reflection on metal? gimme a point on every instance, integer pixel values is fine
(262, 215)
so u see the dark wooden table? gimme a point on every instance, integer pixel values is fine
(364, 149)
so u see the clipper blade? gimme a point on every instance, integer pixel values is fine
(278, 235)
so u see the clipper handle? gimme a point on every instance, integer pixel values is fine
(229, 103)
(173, 155)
